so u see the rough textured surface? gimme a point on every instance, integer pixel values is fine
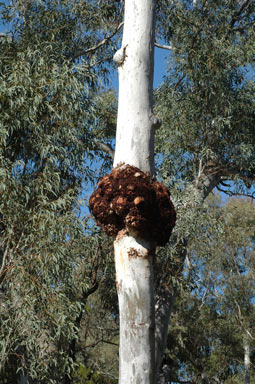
(128, 198)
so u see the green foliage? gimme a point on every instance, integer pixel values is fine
(207, 100)
(206, 104)
(86, 376)
(97, 347)
(106, 105)
(48, 80)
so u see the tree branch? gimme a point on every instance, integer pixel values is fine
(101, 341)
(4, 256)
(162, 46)
(95, 47)
(230, 193)
(238, 13)
(103, 60)
(106, 148)
(223, 172)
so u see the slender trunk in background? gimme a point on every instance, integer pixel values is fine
(247, 363)
(23, 380)
(165, 296)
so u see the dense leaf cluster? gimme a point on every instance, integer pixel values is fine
(213, 319)
(207, 99)
(48, 75)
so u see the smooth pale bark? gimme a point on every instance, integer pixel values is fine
(134, 281)
(135, 121)
(135, 146)
(247, 363)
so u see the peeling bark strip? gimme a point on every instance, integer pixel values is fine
(128, 199)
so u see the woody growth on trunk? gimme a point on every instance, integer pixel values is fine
(128, 203)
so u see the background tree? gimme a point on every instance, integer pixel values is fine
(213, 318)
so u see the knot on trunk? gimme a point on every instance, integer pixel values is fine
(128, 199)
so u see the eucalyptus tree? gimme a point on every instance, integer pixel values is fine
(128, 203)
(206, 105)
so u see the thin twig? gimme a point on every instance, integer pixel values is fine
(177, 84)
(95, 47)
(5, 255)
(101, 341)
(238, 13)
(162, 46)
(230, 193)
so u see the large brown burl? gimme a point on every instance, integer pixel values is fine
(128, 199)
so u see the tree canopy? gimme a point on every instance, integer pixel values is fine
(213, 318)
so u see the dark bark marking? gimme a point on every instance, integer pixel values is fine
(133, 253)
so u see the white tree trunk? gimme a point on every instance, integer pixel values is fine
(135, 123)
(135, 146)
(247, 363)
(134, 280)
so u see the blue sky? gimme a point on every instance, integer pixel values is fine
(161, 56)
